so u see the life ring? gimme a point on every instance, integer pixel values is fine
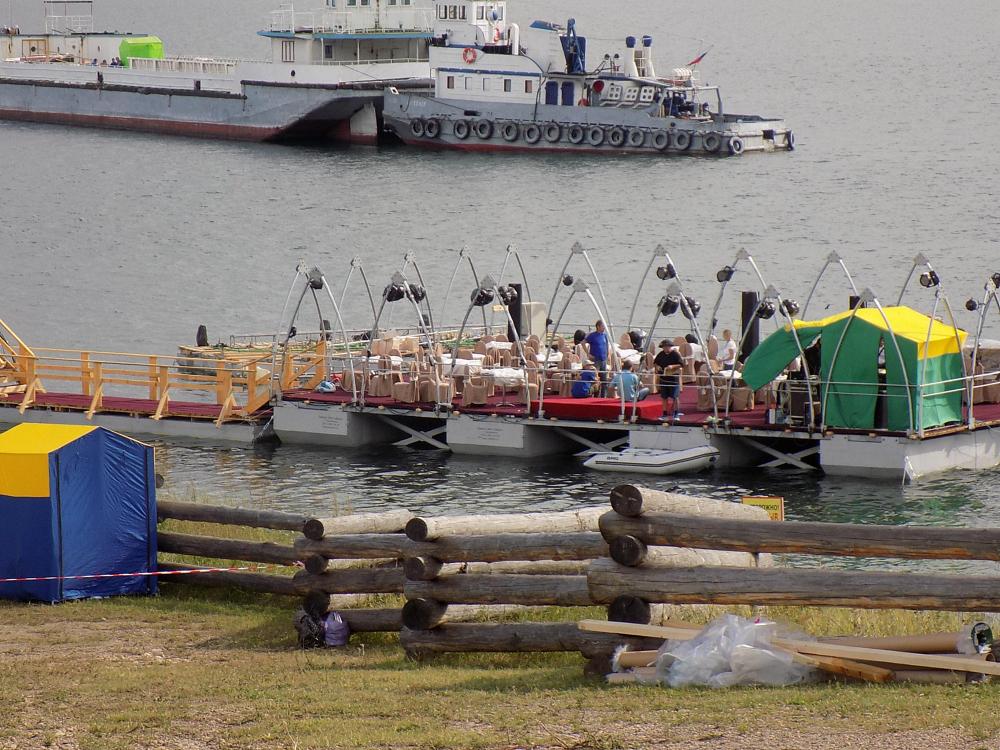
(469, 55)
(682, 140)
(496, 33)
(790, 140)
(711, 142)
(736, 145)
(432, 128)
(509, 131)
(461, 129)
(583, 102)
(616, 137)
(531, 133)
(635, 138)
(595, 135)
(483, 128)
(574, 134)
(417, 127)
(553, 132)
(660, 140)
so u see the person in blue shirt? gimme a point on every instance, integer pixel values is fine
(627, 383)
(584, 385)
(598, 344)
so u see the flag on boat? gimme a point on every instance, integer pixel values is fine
(698, 59)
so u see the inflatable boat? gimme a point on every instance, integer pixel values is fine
(642, 461)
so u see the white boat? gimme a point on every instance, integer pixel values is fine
(642, 461)
(501, 87)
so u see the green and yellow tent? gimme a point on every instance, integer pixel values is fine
(910, 356)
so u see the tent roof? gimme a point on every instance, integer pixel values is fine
(905, 323)
(30, 438)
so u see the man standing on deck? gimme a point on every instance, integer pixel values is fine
(598, 344)
(669, 363)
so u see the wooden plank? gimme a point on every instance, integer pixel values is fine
(794, 586)
(853, 653)
(845, 667)
(806, 537)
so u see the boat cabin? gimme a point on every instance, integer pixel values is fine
(349, 32)
(68, 36)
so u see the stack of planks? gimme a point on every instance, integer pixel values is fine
(950, 657)
(350, 579)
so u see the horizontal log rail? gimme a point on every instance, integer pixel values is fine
(222, 514)
(225, 549)
(584, 545)
(608, 580)
(260, 582)
(806, 537)
(561, 591)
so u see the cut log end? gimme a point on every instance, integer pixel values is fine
(416, 530)
(630, 609)
(421, 568)
(314, 529)
(316, 564)
(626, 499)
(627, 550)
(423, 614)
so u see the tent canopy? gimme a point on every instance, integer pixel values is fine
(75, 501)
(895, 357)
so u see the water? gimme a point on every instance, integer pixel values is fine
(128, 241)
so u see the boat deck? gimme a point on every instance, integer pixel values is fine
(136, 407)
(596, 410)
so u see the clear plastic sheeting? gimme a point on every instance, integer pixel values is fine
(730, 651)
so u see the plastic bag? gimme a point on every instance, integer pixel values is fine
(336, 632)
(730, 651)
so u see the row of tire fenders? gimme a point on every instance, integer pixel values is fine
(594, 135)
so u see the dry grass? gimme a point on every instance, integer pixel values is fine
(196, 669)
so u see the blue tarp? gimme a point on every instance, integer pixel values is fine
(75, 501)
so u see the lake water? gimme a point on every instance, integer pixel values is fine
(127, 241)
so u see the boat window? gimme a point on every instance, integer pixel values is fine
(567, 93)
(461, 12)
(327, 51)
(468, 82)
(442, 12)
(366, 2)
(486, 84)
(529, 86)
(551, 92)
(405, 2)
(451, 11)
(392, 2)
(352, 2)
(506, 85)
(288, 51)
(450, 82)
(499, 12)
(480, 12)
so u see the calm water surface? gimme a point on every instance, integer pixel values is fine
(127, 242)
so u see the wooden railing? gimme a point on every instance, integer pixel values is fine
(238, 389)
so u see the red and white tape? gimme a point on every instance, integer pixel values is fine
(253, 568)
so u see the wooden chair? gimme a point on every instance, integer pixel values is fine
(625, 341)
(501, 337)
(463, 353)
(476, 391)
(405, 392)
(480, 347)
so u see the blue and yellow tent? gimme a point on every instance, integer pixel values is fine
(915, 361)
(75, 501)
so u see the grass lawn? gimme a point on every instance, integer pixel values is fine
(194, 668)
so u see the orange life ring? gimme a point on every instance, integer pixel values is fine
(469, 55)
(583, 102)
(496, 34)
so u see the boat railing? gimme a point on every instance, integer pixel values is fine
(379, 60)
(190, 65)
(363, 20)
(140, 383)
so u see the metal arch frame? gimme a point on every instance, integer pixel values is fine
(831, 259)
(300, 272)
(343, 331)
(513, 251)
(657, 253)
(868, 296)
(463, 255)
(675, 288)
(991, 293)
(494, 286)
(579, 249)
(582, 287)
(921, 261)
(357, 264)
(769, 293)
(409, 259)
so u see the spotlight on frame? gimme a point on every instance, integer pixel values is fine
(725, 274)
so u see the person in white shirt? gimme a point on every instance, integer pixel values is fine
(728, 352)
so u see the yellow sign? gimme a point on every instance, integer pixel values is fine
(775, 506)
